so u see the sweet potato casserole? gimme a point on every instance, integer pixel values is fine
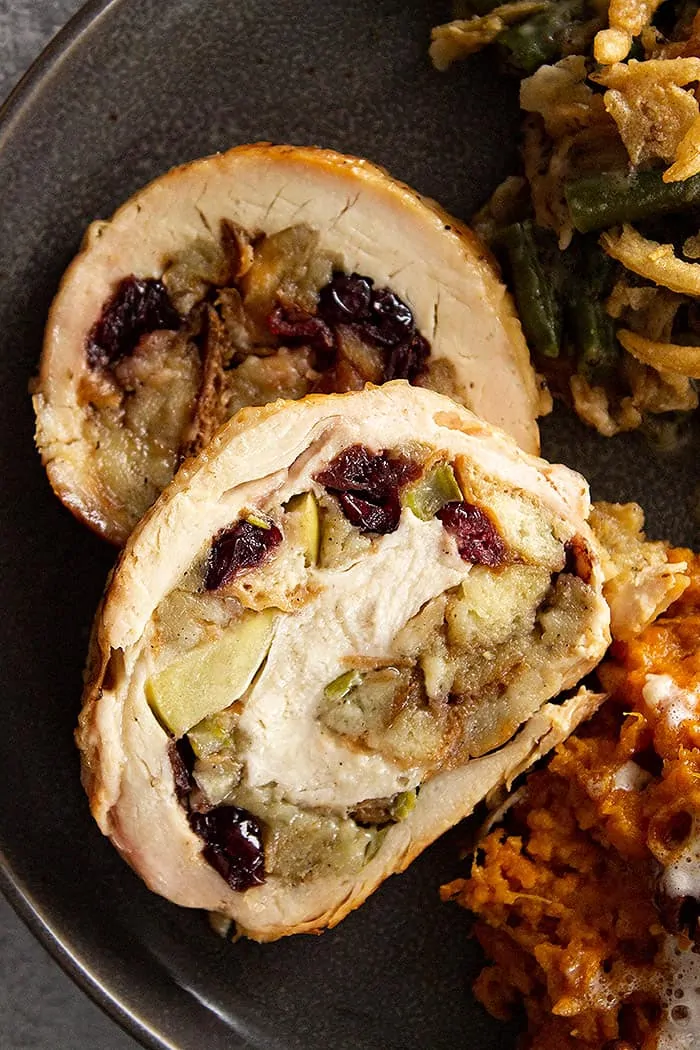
(587, 894)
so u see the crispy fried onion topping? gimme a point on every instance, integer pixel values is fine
(626, 19)
(568, 134)
(466, 36)
(651, 392)
(657, 262)
(665, 357)
(560, 94)
(651, 106)
(687, 162)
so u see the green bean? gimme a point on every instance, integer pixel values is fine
(594, 265)
(534, 291)
(597, 202)
(539, 39)
(594, 336)
(591, 328)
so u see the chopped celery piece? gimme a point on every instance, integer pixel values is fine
(432, 492)
(211, 735)
(342, 685)
(403, 804)
(212, 676)
(261, 523)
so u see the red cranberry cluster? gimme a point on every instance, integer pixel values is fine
(234, 845)
(367, 486)
(243, 546)
(477, 540)
(377, 315)
(136, 308)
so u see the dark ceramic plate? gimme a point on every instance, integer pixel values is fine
(129, 89)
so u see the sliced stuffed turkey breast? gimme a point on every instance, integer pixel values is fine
(338, 629)
(264, 272)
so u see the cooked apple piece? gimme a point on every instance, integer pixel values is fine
(489, 608)
(305, 525)
(213, 733)
(212, 676)
(217, 777)
(386, 711)
(431, 493)
(341, 543)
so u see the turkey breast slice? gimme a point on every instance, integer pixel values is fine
(118, 404)
(421, 593)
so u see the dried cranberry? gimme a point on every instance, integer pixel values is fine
(367, 486)
(136, 308)
(243, 546)
(407, 360)
(390, 320)
(371, 517)
(298, 326)
(346, 299)
(234, 845)
(182, 761)
(377, 313)
(356, 469)
(377, 316)
(477, 539)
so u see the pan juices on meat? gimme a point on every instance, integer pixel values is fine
(341, 626)
(263, 272)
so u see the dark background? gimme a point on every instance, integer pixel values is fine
(40, 1008)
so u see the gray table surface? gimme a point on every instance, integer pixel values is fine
(40, 1008)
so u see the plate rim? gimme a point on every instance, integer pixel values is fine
(58, 46)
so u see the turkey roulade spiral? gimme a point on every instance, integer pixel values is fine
(264, 272)
(341, 626)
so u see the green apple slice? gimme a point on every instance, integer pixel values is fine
(307, 526)
(432, 492)
(212, 676)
